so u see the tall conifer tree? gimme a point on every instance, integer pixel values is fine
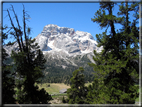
(29, 61)
(116, 66)
(77, 92)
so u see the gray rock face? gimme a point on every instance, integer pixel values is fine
(62, 41)
(52, 29)
(42, 42)
(74, 50)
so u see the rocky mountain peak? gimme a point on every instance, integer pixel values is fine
(52, 29)
(63, 41)
(55, 39)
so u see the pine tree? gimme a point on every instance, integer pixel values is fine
(7, 77)
(116, 66)
(93, 92)
(77, 93)
(29, 61)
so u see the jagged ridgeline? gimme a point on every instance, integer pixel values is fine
(65, 51)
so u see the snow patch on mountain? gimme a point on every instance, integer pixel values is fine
(62, 42)
(67, 40)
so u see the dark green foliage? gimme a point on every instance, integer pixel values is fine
(116, 66)
(8, 82)
(93, 92)
(77, 93)
(29, 64)
(56, 75)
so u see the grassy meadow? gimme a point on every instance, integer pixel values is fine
(54, 88)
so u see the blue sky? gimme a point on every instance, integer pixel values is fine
(72, 15)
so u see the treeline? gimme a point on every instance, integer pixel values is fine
(56, 74)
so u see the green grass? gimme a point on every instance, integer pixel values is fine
(54, 87)
(59, 95)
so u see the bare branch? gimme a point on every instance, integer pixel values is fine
(16, 17)
(24, 23)
(16, 30)
(10, 19)
(20, 32)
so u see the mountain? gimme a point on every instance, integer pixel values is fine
(64, 48)
(62, 39)
(62, 42)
